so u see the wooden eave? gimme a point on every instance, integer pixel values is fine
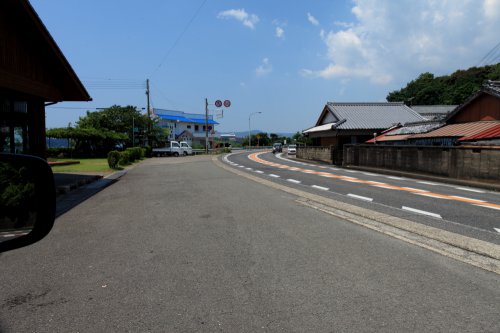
(64, 84)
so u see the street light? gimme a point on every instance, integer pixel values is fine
(249, 128)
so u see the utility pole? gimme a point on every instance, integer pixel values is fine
(206, 125)
(149, 112)
(147, 96)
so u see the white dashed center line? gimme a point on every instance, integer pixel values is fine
(295, 181)
(423, 212)
(359, 197)
(320, 187)
(258, 171)
(273, 175)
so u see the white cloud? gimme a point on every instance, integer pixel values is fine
(280, 33)
(248, 20)
(264, 68)
(391, 40)
(312, 19)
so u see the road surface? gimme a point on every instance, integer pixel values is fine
(183, 245)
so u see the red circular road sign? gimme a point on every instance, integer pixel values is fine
(218, 103)
(227, 103)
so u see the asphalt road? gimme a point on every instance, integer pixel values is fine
(181, 245)
(470, 211)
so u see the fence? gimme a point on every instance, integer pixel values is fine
(323, 154)
(479, 163)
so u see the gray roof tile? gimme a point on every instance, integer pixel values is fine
(373, 115)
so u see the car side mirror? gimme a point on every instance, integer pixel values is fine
(27, 200)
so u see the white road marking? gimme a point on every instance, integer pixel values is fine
(322, 167)
(334, 169)
(423, 212)
(426, 183)
(396, 178)
(273, 175)
(469, 189)
(496, 229)
(235, 164)
(369, 174)
(295, 181)
(459, 197)
(248, 168)
(241, 166)
(258, 171)
(351, 171)
(359, 197)
(487, 206)
(320, 187)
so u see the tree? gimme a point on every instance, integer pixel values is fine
(300, 138)
(119, 119)
(451, 89)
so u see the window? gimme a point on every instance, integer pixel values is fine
(196, 128)
(189, 126)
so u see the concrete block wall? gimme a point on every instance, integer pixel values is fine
(455, 162)
(323, 154)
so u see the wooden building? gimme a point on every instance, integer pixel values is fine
(33, 73)
(482, 106)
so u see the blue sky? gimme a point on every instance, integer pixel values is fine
(285, 59)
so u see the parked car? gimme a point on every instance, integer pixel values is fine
(292, 149)
(174, 148)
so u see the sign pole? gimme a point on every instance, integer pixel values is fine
(206, 125)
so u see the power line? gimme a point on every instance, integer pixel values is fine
(490, 56)
(117, 84)
(179, 37)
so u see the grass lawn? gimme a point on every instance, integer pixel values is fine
(86, 165)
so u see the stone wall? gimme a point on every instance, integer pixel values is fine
(323, 154)
(455, 162)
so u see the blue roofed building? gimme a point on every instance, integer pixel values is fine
(185, 126)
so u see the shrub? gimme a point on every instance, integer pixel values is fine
(113, 159)
(125, 157)
(135, 153)
(148, 151)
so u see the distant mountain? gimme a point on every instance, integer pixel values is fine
(243, 134)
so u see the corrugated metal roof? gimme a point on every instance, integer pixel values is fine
(372, 115)
(459, 130)
(385, 138)
(187, 120)
(491, 133)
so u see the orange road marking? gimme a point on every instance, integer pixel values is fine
(255, 157)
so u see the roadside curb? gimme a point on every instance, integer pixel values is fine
(465, 249)
(64, 189)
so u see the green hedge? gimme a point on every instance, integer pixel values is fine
(114, 159)
(126, 157)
